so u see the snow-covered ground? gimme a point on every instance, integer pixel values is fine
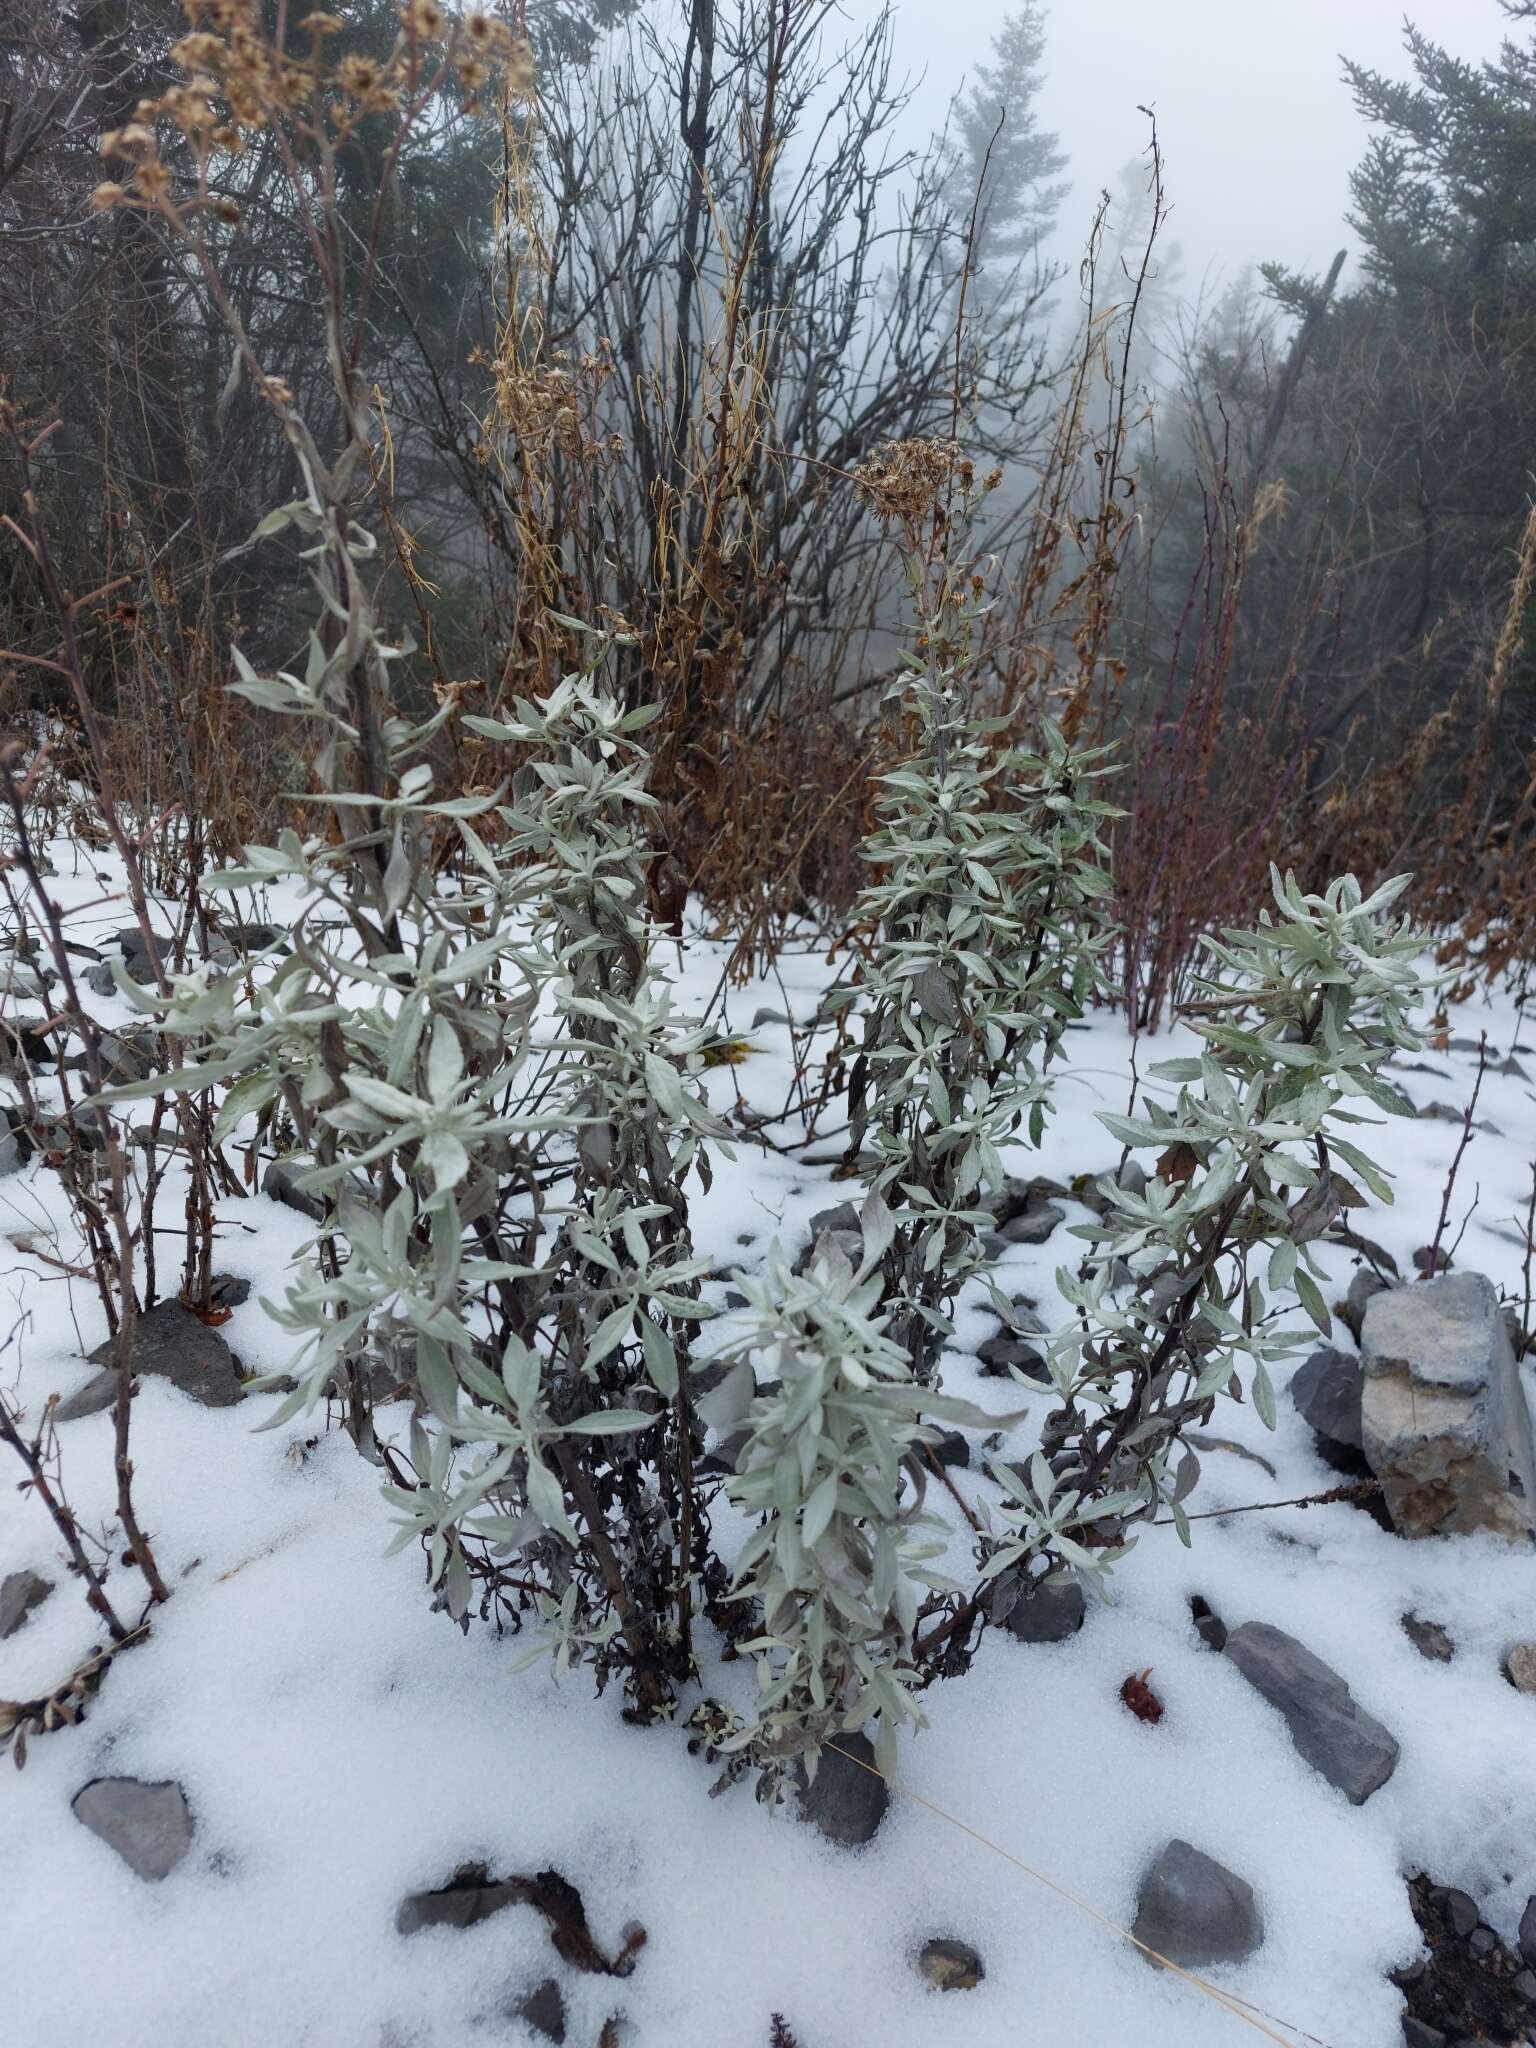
(341, 1745)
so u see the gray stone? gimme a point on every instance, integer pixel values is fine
(842, 1216)
(1004, 1354)
(1363, 1288)
(469, 1897)
(1335, 1735)
(1194, 1911)
(1429, 1639)
(1416, 2034)
(953, 1449)
(1209, 1626)
(1520, 1666)
(1527, 1934)
(1047, 1614)
(280, 1184)
(100, 979)
(950, 1965)
(100, 1391)
(1445, 1426)
(1326, 1391)
(543, 2008)
(20, 1592)
(1034, 1226)
(847, 1799)
(149, 1825)
(13, 1154)
(1459, 1908)
(171, 1343)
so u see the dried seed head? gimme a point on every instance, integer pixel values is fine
(424, 18)
(127, 141)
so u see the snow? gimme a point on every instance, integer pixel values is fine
(341, 1745)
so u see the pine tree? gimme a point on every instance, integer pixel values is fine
(1016, 167)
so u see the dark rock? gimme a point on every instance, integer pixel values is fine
(14, 1151)
(1326, 1391)
(228, 1290)
(1527, 1934)
(131, 1056)
(241, 942)
(1458, 1908)
(20, 1592)
(100, 1391)
(950, 1965)
(1524, 1982)
(100, 979)
(1003, 1354)
(1194, 1911)
(149, 1825)
(847, 1799)
(280, 1184)
(468, 1897)
(842, 1216)
(1482, 1941)
(1047, 1614)
(953, 1449)
(543, 2008)
(1350, 1748)
(1417, 2035)
(171, 1343)
(1034, 1226)
(1209, 1626)
(1364, 1287)
(1429, 1639)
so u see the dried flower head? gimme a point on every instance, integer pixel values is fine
(358, 76)
(905, 479)
(127, 141)
(152, 180)
(424, 19)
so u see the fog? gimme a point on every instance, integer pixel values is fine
(1258, 129)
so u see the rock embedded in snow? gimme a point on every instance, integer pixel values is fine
(1034, 1226)
(149, 1825)
(173, 1344)
(950, 1965)
(542, 2008)
(20, 1592)
(1417, 2035)
(1445, 1425)
(469, 1897)
(280, 1183)
(1519, 1666)
(1047, 1614)
(846, 1799)
(1194, 1911)
(1527, 1934)
(1005, 1354)
(1346, 1745)
(99, 1391)
(1429, 1639)
(1209, 1626)
(1326, 1392)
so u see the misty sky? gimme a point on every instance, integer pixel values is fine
(1259, 133)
